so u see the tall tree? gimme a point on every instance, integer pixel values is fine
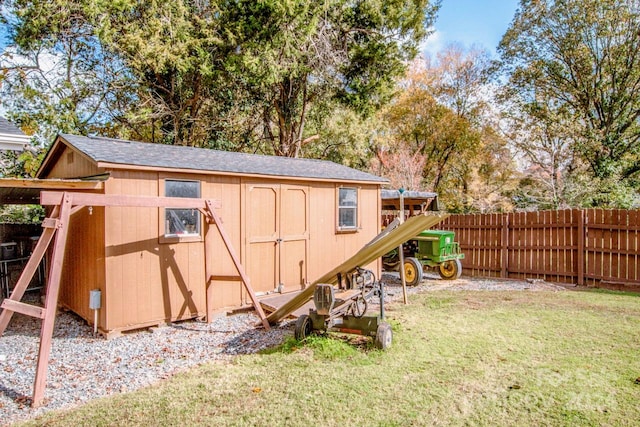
(460, 78)
(578, 61)
(243, 74)
(56, 76)
(552, 170)
(548, 161)
(175, 54)
(437, 121)
(298, 55)
(147, 70)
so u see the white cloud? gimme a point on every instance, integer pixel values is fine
(434, 43)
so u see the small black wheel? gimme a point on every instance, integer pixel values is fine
(384, 336)
(450, 270)
(412, 271)
(304, 326)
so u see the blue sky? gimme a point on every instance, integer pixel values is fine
(469, 22)
(3, 37)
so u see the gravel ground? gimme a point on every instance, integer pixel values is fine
(83, 367)
(432, 282)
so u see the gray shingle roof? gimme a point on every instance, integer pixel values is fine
(9, 128)
(395, 194)
(201, 159)
(11, 137)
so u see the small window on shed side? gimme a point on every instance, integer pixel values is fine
(182, 223)
(347, 209)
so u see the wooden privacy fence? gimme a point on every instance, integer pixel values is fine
(593, 247)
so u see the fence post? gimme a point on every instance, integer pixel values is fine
(581, 237)
(504, 252)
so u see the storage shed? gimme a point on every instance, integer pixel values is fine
(290, 220)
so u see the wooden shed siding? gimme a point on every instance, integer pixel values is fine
(295, 224)
(370, 222)
(259, 211)
(276, 234)
(130, 253)
(83, 268)
(149, 281)
(227, 293)
(79, 167)
(330, 248)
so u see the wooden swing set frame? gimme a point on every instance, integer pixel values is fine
(56, 229)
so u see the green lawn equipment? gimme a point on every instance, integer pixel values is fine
(436, 249)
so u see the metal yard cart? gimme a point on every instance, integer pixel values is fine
(343, 310)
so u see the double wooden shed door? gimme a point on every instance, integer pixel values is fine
(277, 236)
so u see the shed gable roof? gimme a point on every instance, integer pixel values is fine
(122, 152)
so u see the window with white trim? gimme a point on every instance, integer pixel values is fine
(347, 208)
(182, 222)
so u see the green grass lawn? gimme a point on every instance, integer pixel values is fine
(458, 358)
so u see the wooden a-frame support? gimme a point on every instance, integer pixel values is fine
(57, 225)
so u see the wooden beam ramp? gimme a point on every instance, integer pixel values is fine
(273, 302)
(390, 238)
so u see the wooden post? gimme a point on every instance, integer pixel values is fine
(51, 301)
(403, 279)
(582, 231)
(504, 256)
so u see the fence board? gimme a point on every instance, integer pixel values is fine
(577, 237)
(634, 243)
(575, 246)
